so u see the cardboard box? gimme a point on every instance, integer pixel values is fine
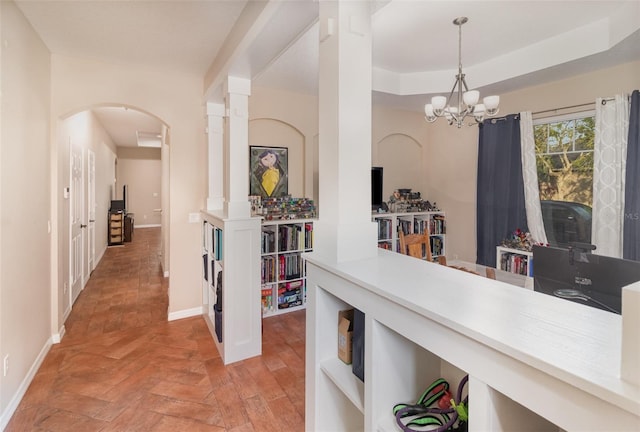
(345, 335)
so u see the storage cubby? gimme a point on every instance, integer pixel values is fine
(344, 409)
(404, 370)
(283, 276)
(514, 261)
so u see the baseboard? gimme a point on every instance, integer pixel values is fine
(24, 385)
(187, 313)
(147, 226)
(166, 274)
(56, 338)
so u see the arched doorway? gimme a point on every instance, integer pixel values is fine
(90, 143)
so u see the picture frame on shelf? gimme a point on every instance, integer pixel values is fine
(268, 171)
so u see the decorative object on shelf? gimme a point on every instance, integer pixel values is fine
(281, 208)
(268, 169)
(520, 240)
(404, 201)
(467, 100)
(436, 409)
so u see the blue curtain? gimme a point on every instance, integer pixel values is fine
(631, 233)
(500, 195)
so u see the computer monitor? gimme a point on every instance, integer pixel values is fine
(578, 275)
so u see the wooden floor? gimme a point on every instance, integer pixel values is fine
(122, 367)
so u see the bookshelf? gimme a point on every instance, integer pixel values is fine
(543, 364)
(230, 283)
(411, 223)
(514, 261)
(282, 270)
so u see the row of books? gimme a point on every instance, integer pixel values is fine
(437, 246)
(437, 225)
(385, 229)
(212, 240)
(385, 245)
(514, 263)
(281, 267)
(290, 238)
(289, 294)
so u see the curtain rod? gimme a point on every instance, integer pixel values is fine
(604, 102)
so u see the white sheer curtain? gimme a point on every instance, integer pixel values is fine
(609, 162)
(530, 178)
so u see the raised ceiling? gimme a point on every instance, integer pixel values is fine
(506, 44)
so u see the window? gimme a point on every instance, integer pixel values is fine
(564, 159)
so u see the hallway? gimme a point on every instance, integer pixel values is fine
(122, 367)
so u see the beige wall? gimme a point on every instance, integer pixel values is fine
(141, 170)
(176, 99)
(25, 246)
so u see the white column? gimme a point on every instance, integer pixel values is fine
(236, 142)
(215, 139)
(345, 230)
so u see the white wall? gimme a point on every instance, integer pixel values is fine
(176, 99)
(141, 170)
(25, 206)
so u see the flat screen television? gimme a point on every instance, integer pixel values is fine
(580, 276)
(376, 188)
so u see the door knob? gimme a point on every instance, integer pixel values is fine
(82, 226)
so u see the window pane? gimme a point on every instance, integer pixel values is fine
(564, 159)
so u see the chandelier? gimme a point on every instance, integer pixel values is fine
(465, 103)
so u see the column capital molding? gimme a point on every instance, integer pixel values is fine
(235, 85)
(215, 109)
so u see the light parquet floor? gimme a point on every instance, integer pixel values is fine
(122, 367)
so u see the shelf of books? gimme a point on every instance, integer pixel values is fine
(514, 260)
(283, 275)
(411, 223)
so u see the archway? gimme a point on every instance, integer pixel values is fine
(100, 132)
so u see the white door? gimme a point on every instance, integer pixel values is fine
(76, 208)
(91, 211)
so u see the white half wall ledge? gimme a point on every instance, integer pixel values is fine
(185, 313)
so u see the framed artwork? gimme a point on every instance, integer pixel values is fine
(268, 171)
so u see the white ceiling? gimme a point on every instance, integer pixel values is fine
(505, 45)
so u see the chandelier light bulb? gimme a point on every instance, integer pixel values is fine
(491, 104)
(429, 114)
(471, 97)
(438, 102)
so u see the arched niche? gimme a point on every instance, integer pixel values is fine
(269, 132)
(401, 157)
